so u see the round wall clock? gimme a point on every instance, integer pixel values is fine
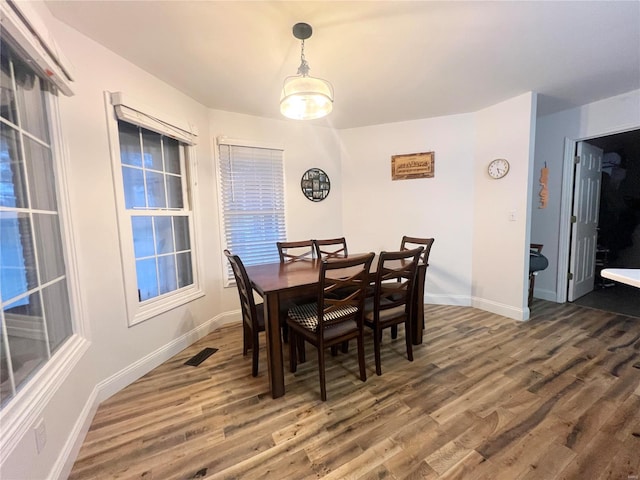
(498, 168)
(315, 184)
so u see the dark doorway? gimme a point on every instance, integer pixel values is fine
(618, 222)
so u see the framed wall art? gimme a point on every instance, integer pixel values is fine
(412, 165)
(315, 184)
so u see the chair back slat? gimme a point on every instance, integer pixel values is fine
(410, 242)
(331, 248)
(400, 266)
(295, 251)
(343, 284)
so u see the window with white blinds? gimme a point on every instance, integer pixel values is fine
(252, 198)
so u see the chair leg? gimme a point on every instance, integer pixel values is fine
(246, 338)
(323, 385)
(255, 350)
(408, 341)
(345, 346)
(363, 369)
(302, 353)
(334, 350)
(293, 358)
(394, 331)
(377, 335)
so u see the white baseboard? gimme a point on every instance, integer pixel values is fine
(130, 374)
(67, 457)
(441, 299)
(549, 295)
(121, 379)
(501, 309)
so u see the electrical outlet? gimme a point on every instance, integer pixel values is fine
(41, 435)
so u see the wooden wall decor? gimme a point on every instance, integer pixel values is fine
(412, 165)
(544, 192)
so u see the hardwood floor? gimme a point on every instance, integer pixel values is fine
(486, 397)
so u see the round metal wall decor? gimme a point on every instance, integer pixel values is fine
(315, 184)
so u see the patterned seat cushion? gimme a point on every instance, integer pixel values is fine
(307, 314)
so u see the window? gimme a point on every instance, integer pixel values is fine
(252, 199)
(34, 288)
(156, 218)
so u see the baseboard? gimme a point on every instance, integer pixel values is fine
(442, 299)
(121, 379)
(549, 295)
(501, 309)
(130, 374)
(67, 457)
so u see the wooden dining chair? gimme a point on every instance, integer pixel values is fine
(392, 301)
(336, 316)
(294, 251)
(252, 313)
(331, 248)
(413, 242)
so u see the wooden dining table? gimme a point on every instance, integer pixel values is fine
(280, 283)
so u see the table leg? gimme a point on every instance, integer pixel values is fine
(275, 362)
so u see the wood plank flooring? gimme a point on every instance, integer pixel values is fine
(486, 397)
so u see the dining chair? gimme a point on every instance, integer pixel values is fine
(252, 313)
(413, 242)
(331, 248)
(336, 316)
(294, 251)
(392, 301)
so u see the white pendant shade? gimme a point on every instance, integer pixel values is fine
(306, 98)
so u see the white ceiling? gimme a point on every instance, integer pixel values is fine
(388, 61)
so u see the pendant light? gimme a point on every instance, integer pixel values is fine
(304, 97)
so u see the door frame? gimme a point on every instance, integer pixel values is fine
(566, 209)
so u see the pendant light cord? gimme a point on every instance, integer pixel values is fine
(303, 69)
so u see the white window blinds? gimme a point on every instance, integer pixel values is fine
(253, 206)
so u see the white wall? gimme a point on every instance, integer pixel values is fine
(605, 117)
(500, 245)
(379, 211)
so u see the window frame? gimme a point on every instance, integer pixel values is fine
(139, 311)
(227, 274)
(20, 413)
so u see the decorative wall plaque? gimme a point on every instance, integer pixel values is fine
(412, 165)
(315, 184)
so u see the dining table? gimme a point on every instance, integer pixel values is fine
(279, 284)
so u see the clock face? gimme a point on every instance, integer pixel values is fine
(498, 168)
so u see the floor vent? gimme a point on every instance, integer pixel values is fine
(201, 357)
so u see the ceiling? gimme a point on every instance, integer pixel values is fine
(388, 61)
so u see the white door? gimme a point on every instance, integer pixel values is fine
(584, 229)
